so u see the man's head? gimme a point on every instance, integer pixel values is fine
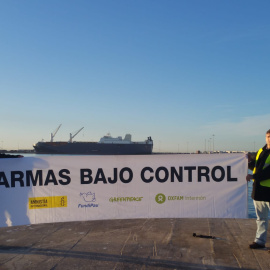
(267, 138)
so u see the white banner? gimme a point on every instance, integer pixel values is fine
(77, 188)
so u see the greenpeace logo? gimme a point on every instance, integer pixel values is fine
(125, 199)
(161, 198)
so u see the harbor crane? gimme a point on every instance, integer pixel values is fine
(72, 136)
(53, 134)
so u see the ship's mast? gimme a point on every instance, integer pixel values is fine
(72, 136)
(53, 134)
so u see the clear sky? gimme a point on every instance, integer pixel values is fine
(180, 71)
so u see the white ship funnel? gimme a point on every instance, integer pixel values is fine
(127, 137)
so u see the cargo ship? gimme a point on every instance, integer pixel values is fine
(107, 145)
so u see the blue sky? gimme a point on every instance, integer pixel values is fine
(180, 71)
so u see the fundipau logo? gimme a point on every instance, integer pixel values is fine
(160, 198)
(89, 196)
(89, 199)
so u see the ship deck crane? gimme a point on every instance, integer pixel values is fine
(53, 134)
(72, 136)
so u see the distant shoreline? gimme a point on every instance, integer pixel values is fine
(25, 151)
(30, 151)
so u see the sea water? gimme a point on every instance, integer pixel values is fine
(251, 209)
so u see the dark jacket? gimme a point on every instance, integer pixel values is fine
(260, 193)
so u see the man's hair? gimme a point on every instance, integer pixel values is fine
(268, 131)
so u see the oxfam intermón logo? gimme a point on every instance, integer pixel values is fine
(160, 198)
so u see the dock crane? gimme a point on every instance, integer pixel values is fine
(72, 136)
(53, 134)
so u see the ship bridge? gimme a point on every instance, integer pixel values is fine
(109, 139)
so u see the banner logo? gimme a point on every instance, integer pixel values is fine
(125, 199)
(160, 198)
(89, 200)
(89, 196)
(47, 202)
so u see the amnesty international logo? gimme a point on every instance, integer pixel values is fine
(160, 198)
(47, 202)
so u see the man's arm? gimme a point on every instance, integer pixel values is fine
(262, 175)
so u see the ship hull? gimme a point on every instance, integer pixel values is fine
(93, 148)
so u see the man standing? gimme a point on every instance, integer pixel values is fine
(261, 191)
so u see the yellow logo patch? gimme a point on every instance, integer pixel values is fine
(47, 202)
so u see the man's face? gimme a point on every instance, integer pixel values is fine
(267, 139)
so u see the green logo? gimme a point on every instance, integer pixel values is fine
(160, 198)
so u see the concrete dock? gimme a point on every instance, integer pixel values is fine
(133, 244)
